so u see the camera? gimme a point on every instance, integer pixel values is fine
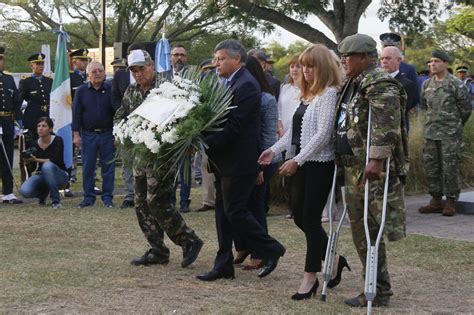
(27, 153)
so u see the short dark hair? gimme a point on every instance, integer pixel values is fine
(47, 120)
(233, 48)
(178, 46)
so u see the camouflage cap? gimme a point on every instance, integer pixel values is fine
(440, 55)
(357, 43)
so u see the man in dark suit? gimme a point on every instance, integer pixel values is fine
(233, 153)
(408, 70)
(35, 90)
(390, 60)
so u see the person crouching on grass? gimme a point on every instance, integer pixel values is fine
(51, 174)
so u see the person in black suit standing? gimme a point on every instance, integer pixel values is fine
(35, 90)
(233, 154)
(390, 60)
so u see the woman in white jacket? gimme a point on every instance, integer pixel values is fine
(310, 156)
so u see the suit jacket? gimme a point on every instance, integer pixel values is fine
(36, 92)
(410, 89)
(234, 150)
(409, 72)
(120, 83)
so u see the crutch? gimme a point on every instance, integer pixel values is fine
(333, 236)
(373, 251)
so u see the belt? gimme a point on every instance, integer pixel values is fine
(6, 114)
(98, 130)
(348, 160)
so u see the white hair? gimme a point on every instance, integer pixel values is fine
(92, 65)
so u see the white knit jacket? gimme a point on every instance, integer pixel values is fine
(316, 131)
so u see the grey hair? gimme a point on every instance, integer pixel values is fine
(94, 63)
(233, 48)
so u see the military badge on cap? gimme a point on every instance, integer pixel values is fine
(390, 39)
(37, 58)
(81, 54)
(462, 69)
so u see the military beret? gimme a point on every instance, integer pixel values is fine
(440, 55)
(119, 62)
(390, 39)
(81, 53)
(38, 57)
(357, 43)
(462, 69)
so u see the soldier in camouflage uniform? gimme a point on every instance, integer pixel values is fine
(368, 87)
(448, 107)
(154, 188)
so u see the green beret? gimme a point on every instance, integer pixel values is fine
(357, 43)
(440, 55)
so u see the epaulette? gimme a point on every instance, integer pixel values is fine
(47, 76)
(7, 72)
(71, 72)
(25, 76)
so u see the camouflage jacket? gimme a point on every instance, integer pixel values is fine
(386, 98)
(447, 107)
(134, 96)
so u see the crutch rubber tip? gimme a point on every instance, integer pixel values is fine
(323, 297)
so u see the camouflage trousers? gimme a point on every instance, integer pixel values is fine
(441, 159)
(394, 226)
(155, 212)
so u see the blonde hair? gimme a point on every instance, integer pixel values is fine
(326, 72)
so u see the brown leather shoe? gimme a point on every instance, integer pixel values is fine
(361, 301)
(435, 206)
(450, 207)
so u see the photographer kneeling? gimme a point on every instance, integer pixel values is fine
(48, 152)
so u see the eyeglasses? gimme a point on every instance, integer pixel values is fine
(178, 55)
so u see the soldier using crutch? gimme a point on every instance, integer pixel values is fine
(368, 87)
(9, 111)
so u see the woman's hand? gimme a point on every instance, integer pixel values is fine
(260, 179)
(289, 168)
(266, 157)
(280, 130)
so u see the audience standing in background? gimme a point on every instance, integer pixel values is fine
(263, 59)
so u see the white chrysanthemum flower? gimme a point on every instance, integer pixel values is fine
(169, 136)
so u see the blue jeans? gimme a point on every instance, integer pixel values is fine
(185, 186)
(98, 145)
(48, 181)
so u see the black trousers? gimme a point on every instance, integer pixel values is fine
(233, 217)
(310, 188)
(8, 128)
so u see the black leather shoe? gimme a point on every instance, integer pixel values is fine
(184, 209)
(150, 258)
(216, 274)
(204, 208)
(269, 265)
(340, 266)
(13, 201)
(84, 204)
(127, 204)
(361, 301)
(191, 251)
(68, 193)
(304, 296)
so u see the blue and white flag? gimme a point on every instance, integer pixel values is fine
(61, 101)
(163, 55)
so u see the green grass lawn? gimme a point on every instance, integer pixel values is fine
(77, 261)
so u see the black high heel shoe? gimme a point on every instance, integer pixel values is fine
(304, 296)
(340, 266)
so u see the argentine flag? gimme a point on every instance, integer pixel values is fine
(163, 55)
(60, 101)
